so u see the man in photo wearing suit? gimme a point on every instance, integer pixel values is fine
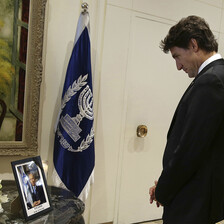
(37, 191)
(191, 185)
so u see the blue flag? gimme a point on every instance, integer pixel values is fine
(74, 156)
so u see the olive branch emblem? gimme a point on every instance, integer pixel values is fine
(73, 89)
(83, 146)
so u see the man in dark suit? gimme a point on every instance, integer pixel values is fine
(37, 191)
(191, 185)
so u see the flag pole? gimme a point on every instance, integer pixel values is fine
(85, 7)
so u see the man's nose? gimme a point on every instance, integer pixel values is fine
(179, 65)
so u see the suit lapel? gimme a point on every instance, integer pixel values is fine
(175, 114)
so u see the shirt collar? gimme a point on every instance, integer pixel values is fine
(209, 60)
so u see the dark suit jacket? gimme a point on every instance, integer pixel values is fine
(191, 185)
(39, 195)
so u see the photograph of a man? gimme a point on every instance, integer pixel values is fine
(32, 187)
(37, 191)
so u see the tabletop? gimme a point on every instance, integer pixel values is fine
(67, 209)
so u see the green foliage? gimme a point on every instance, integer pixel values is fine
(6, 69)
(6, 7)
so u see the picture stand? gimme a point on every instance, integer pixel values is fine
(32, 187)
(16, 207)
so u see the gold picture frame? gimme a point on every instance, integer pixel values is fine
(34, 67)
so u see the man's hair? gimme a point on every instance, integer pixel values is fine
(33, 174)
(191, 27)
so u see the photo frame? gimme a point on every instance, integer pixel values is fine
(32, 187)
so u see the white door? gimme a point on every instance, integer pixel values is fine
(153, 89)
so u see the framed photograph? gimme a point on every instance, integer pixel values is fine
(32, 187)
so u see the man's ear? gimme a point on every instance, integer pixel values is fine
(193, 44)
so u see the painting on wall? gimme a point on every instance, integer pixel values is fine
(22, 30)
(14, 18)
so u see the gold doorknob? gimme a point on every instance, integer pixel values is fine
(142, 131)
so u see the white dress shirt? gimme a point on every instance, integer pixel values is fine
(209, 60)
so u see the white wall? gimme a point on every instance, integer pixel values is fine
(60, 27)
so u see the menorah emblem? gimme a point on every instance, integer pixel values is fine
(85, 104)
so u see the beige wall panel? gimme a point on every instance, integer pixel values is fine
(59, 40)
(175, 10)
(221, 44)
(121, 3)
(222, 21)
(110, 114)
(216, 3)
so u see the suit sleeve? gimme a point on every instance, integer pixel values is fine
(203, 118)
(41, 196)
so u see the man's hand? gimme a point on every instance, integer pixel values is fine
(35, 203)
(152, 194)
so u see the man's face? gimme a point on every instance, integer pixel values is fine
(185, 59)
(32, 179)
